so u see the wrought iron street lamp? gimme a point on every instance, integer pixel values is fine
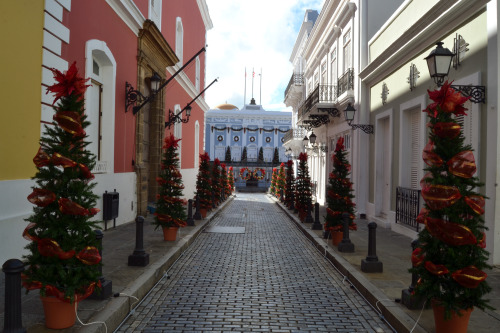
(349, 117)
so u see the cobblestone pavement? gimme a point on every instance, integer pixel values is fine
(267, 279)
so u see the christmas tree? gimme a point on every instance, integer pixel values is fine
(244, 154)
(452, 256)
(63, 259)
(169, 205)
(261, 155)
(203, 183)
(276, 157)
(274, 181)
(281, 180)
(227, 158)
(339, 191)
(290, 184)
(230, 176)
(216, 181)
(225, 180)
(303, 196)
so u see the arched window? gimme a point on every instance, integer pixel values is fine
(100, 66)
(179, 40)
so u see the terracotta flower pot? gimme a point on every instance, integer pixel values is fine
(203, 212)
(58, 314)
(170, 233)
(337, 237)
(456, 324)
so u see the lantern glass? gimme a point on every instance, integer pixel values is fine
(155, 81)
(439, 63)
(349, 113)
(188, 111)
(312, 138)
(305, 141)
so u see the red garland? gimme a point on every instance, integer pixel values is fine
(469, 277)
(70, 122)
(89, 255)
(50, 248)
(69, 207)
(41, 197)
(59, 160)
(41, 158)
(436, 269)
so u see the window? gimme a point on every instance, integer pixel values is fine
(197, 79)
(347, 50)
(94, 115)
(323, 73)
(416, 153)
(333, 67)
(179, 40)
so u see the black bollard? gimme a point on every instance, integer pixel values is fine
(106, 285)
(190, 221)
(197, 215)
(411, 301)
(13, 319)
(139, 257)
(213, 200)
(371, 264)
(309, 218)
(345, 245)
(281, 195)
(316, 225)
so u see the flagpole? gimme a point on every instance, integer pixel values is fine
(260, 98)
(245, 95)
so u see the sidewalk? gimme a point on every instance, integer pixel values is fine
(383, 290)
(118, 244)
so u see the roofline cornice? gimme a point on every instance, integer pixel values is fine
(205, 15)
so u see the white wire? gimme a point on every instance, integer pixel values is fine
(87, 324)
(421, 311)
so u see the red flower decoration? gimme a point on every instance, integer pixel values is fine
(436, 269)
(68, 83)
(69, 207)
(469, 277)
(451, 233)
(41, 158)
(340, 144)
(70, 122)
(217, 162)
(440, 196)
(462, 164)
(41, 197)
(171, 142)
(446, 100)
(58, 159)
(449, 130)
(476, 202)
(89, 255)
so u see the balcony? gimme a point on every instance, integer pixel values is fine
(346, 83)
(293, 92)
(319, 106)
(294, 134)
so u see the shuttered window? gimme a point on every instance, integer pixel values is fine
(416, 152)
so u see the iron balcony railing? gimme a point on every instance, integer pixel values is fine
(294, 134)
(323, 93)
(407, 207)
(296, 80)
(346, 82)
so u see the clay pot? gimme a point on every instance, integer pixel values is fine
(170, 233)
(456, 324)
(337, 237)
(203, 212)
(58, 314)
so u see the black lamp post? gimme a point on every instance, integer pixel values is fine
(349, 116)
(132, 95)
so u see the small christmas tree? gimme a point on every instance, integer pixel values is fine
(281, 180)
(216, 181)
(452, 256)
(225, 180)
(170, 212)
(203, 184)
(261, 155)
(63, 259)
(244, 154)
(303, 196)
(227, 158)
(290, 184)
(231, 178)
(276, 157)
(339, 195)
(274, 181)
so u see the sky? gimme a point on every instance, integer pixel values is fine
(258, 35)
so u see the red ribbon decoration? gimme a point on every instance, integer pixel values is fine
(69, 207)
(449, 130)
(41, 158)
(58, 159)
(41, 197)
(440, 196)
(451, 233)
(89, 255)
(476, 203)
(462, 164)
(27, 235)
(482, 242)
(436, 269)
(85, 171)
(469, 277)
(50, 248)
(417, 257)
(430, 158)
(70, 122)
(422, 215)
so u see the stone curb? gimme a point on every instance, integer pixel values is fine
(390, 311)
(119, 307)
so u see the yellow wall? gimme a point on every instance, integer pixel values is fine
(21, 34)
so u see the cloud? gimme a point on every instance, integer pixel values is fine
(258, 34)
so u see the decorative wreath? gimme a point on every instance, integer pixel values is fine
(236, 138)
(282, 140)
(248, 173)
(220, 138)
(252, 138)
(268, 139)
(256, 173)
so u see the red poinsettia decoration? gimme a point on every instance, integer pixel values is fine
(340, 144)
(204, 157)
(171, 142)
(447, 99)
(68, 83)
(303, 156)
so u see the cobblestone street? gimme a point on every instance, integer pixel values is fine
(267, 279)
